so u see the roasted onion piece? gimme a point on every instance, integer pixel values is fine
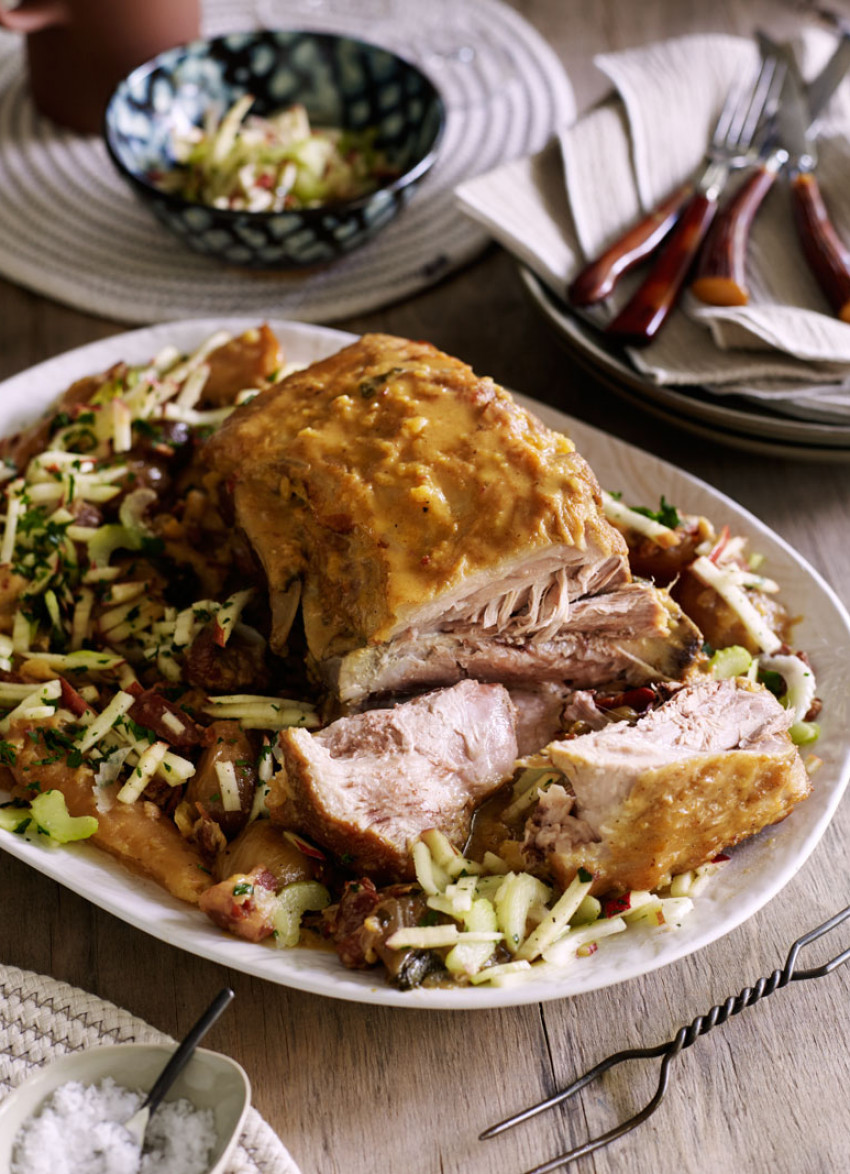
(222, 788)
(263, 844)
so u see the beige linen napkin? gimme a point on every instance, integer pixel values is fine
(785, 349)
(42, 1019)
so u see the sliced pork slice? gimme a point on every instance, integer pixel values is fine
(554, 827)
(366, 786)
(710, 767)
(538, 716)
(630, 636)
(581, 708)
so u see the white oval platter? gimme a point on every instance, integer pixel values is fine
(760, 867)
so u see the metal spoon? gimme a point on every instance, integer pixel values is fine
(138, 1123)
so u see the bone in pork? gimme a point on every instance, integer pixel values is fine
(366, 786)
(710, 767)
(421, 515)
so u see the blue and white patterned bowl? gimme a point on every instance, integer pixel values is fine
(341, 81)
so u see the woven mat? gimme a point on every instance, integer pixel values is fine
(41, 1019)
(71, 230)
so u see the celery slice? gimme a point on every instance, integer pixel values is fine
(467, 957)
(556, 922)
(589, 910)
(733, 661)
(50, 814)
(292, 903)
(15, 819)
(515, 898)
(804, 733)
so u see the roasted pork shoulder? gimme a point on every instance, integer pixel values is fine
(366, 786)
(711, 766)
(433, 530)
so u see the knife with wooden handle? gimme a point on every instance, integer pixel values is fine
(827, 257)
(643, 316)
(597, 280)
(721, 277)
(721, 274)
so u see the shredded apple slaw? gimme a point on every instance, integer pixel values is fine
(248, 162)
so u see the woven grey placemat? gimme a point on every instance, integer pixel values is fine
(42, 1019)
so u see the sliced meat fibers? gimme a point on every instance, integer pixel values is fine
(366, 786)
(630, 636)
(712, 766)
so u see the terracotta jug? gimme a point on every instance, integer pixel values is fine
(78, 50)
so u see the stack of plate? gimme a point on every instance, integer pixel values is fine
(733, 421)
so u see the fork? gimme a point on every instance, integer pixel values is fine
(685, 1037)
(691, 209)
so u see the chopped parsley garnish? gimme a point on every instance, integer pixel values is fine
(368, 388)
(772, 681)
(80, 438)
(61, 739)
(666, 514)
(33, 520)
(140, 733)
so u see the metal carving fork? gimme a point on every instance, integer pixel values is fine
(683, 1038)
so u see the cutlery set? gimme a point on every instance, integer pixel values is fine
(768, 125)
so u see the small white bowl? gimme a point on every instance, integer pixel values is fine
(209, 1081)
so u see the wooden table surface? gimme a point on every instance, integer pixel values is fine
(356, 1089)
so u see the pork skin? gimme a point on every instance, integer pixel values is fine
(710, 767)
